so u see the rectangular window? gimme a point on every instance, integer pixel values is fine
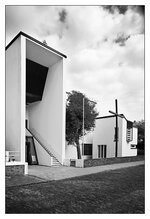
(87, 149)
(102, 151)
(129, 135)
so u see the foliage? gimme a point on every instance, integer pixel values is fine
(141, 133)
(74, 117)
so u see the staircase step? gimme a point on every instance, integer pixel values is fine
(55, 163)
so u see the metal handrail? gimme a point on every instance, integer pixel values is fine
(52, 154)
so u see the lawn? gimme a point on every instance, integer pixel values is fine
(117, 191)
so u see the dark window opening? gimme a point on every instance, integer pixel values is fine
(26, 123)
(31, 156)
(35, 81)
(87, 149)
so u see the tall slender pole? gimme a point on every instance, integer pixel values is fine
(116, 105)
(83, 124)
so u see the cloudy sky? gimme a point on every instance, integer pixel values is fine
(104, 46)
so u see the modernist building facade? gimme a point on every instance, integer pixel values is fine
(104, 137)
(101, 142)
(35, 103)
(35, 111)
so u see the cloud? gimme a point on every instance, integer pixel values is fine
(104, 46)
(140, 9)
(121, 39)
(62, 16)
(121, 9)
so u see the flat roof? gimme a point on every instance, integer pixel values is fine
(36, 41)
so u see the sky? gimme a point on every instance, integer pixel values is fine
(104, 47)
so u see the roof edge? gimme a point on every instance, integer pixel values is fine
(35, 40)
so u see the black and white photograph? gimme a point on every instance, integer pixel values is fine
(75, 109)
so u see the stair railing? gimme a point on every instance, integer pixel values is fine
(48, 149)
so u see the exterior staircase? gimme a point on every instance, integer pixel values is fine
(55, 161)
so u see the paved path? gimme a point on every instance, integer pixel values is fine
(38, 174)
(62, 172)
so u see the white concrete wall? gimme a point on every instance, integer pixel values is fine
(104, 135)
(71, 150)
(15, 98)
(46, 116)
(126, 146)
(135, 136)
(28, 133)
(41, 153)
(88, 138)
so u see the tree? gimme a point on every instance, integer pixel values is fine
(74, 118)
(141, 133)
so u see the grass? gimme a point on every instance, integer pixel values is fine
(117, 191)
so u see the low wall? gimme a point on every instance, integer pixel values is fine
(16, 168)
(105, 161)
(77, 163)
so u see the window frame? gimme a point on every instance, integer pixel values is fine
(102, 151)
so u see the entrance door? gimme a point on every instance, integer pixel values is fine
(31, 156)
(102, 151)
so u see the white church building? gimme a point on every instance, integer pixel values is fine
(101, 142)
(36, 109)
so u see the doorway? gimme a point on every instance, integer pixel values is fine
(31, 156)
